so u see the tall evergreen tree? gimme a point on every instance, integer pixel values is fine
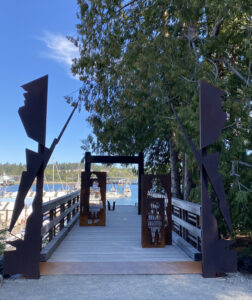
(137, 56)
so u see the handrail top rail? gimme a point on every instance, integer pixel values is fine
(187, 205)
(183, 204)
(56, 220)
(49, 205)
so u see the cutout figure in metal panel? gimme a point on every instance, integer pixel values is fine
(216, 257)
(154, 231)
(26, 257)
(93, 214)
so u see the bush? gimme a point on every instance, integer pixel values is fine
(2, 238)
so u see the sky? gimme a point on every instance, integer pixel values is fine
(33, 44)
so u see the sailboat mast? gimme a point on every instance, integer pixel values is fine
(53, 175)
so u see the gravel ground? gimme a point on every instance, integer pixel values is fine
(130, 287)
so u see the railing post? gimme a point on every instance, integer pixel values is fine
(74, 210)
(180, 226)
(54, 227)
(198, 238)
(51, 214)
(184, 217)
(62, 209)
(57, 215)
(69, 214)
(78, 208)
(186, 221)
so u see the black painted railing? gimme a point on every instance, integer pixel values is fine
(59, 216)
(186, 225)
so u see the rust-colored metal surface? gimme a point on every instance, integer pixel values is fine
(153, 226)
(212, 117)
(120, 268)
(25, 258)
(216, 256)
(93, 214)
(155, 233)
(33, 113)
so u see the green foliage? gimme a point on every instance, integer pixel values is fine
(113, 171)
(195, 195)
(241, 208)
(12, 169)
(63, 171)
(2, 238)
(138, 56)
(70, 172)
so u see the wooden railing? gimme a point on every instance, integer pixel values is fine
(186, 231)
(59, 216)
(186, 227)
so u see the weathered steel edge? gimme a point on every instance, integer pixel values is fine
(48, 250)
(192, 252)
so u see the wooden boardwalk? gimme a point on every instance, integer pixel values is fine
(115, 249)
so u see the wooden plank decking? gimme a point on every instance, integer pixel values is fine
(116, 249)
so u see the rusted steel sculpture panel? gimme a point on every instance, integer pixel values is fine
(93, 210)
(216, 256)
(25, 258)
(155, 232)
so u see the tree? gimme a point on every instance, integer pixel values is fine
(136, 57)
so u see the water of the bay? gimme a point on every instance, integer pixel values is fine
(59, 187)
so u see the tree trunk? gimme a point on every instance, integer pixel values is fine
(187, 179)
(175, 178)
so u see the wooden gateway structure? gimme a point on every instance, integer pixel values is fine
(103, 159)
(177, 233)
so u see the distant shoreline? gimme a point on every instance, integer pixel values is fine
(47, 182)
(66, 183)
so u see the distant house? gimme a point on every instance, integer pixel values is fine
(6, 180)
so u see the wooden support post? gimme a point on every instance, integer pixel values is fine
(140, 173)
(122, 160)
(87, 161)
